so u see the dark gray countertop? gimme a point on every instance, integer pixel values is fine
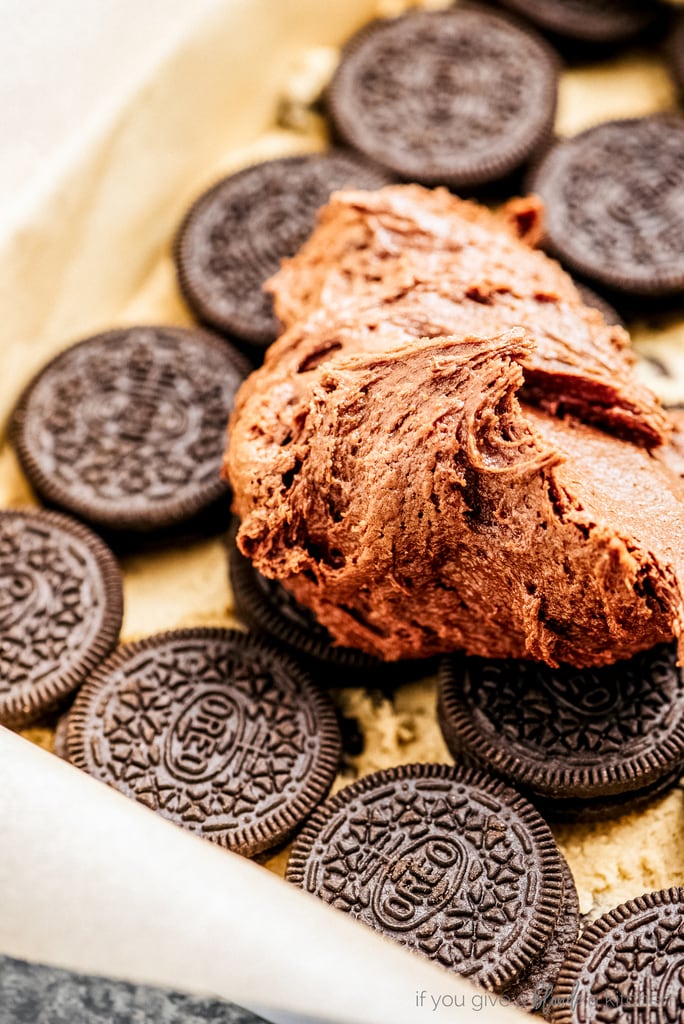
(34, 994)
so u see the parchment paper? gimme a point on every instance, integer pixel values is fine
(92, 881)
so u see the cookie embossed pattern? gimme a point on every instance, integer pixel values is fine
(447, 862)
(614, 197)
(235, 235)
(580, 744)
(627, 967)
(213, 730)
(125, 429)
(407, 88)
(60, 610)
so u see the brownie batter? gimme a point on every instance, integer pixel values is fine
(436, 265)
(386, 470)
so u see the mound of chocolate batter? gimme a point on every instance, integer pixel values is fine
(447, 449)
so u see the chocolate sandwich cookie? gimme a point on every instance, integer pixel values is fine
(675, 52)
(534, 991)
(126, 429)
(59, 740)
(627, 967)
(461, 97)
(236, 234)
(213, 729)
(267, 607)
(590, 298)
(614, 200)
(578, 743)
(448, 862)
(590, 21)
(60, 611)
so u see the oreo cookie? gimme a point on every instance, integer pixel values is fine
(627, 966)
(598, 22)
(61, 606)
(579, 743)
(267, 607)
(461, 97)
(214, 730)
(126, 430)
(675, 52)
(59, 739)
(590, 298)
(535, 991)
(614, 200)
(448, 862)
(235, 235)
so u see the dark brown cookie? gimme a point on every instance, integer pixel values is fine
(235, 236)
(590, 21)
(213, 729)
(572, 740)
(590, 298)
(675, 52)
(460, 97)
(614, 200)
(628, 967)
(59, 740)
(448, 862)
(126, 430)
(534, 992)
(267, 607)
(60, 611)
